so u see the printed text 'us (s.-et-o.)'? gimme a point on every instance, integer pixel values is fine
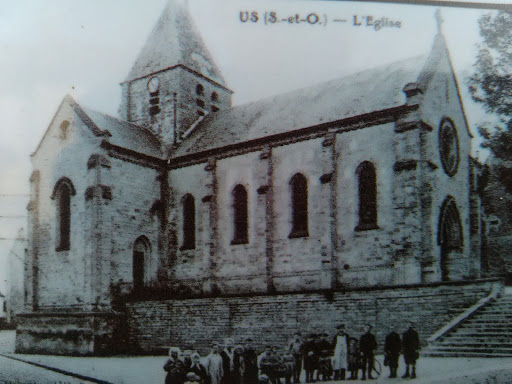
(377, 23)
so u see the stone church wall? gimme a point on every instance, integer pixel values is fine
(134, 192)
(190, 266)
(303, 262)
(65, 155)
(440, 101)
(240, 266)
(365, 257)
(196, 323)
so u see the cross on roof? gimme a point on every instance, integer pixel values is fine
(439, 20)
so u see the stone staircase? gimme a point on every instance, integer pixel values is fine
(485, 333)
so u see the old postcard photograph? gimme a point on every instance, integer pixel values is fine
(233, 192)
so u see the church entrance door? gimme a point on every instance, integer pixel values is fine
(449, 237)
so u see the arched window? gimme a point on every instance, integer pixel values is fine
(62, 194)
(449, 235)
(367, 178)
(240, 216)
(189, 222)
(141, 252)
(200, 89)
(299, 195)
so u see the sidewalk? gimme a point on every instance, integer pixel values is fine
(148, 370)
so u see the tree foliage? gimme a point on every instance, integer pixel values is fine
(491, 83)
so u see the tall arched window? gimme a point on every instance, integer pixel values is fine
(367, 178)
(62, 194)
(240, 216)
(299, 195)
(141, 252)
(189, 222)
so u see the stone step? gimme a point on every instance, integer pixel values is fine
(483, 320)
(491, 316)
(502, 326)
(472, 349)
(483, 324)
(473, 341)
(483, 334)
(480, 323)
(489, 329)
(487, 333)
(495, 313)
(499, 304)
(476, 339)
(464, 354)
(474, 346)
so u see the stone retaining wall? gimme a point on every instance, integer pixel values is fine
(195, 323)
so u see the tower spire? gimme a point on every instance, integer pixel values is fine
(175, 40)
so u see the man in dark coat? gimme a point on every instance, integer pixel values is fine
(250, 363)
(296, 349)
(228, 361)
(410, 346)
(324, 350)
(392, 348)
(310, 357)
(367, 345)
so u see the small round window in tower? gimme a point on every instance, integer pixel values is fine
(153, 84)
(200, 89)
(449, 147)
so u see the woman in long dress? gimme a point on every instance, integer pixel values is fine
(340, 358)
(214, 365)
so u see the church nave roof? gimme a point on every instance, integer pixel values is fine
(353, 95)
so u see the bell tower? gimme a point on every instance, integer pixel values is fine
(174, 82)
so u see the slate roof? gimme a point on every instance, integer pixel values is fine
(353, 95)
(174, 41)
(125, 134)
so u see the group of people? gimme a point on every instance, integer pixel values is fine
(320, 357)
(226, 364)
(326, 360)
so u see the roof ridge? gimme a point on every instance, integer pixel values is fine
(116, 118)
(82, 114)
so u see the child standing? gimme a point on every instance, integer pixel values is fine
(354, 358)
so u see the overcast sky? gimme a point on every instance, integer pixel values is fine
(86, 48)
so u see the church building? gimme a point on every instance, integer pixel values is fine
(185, 208)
